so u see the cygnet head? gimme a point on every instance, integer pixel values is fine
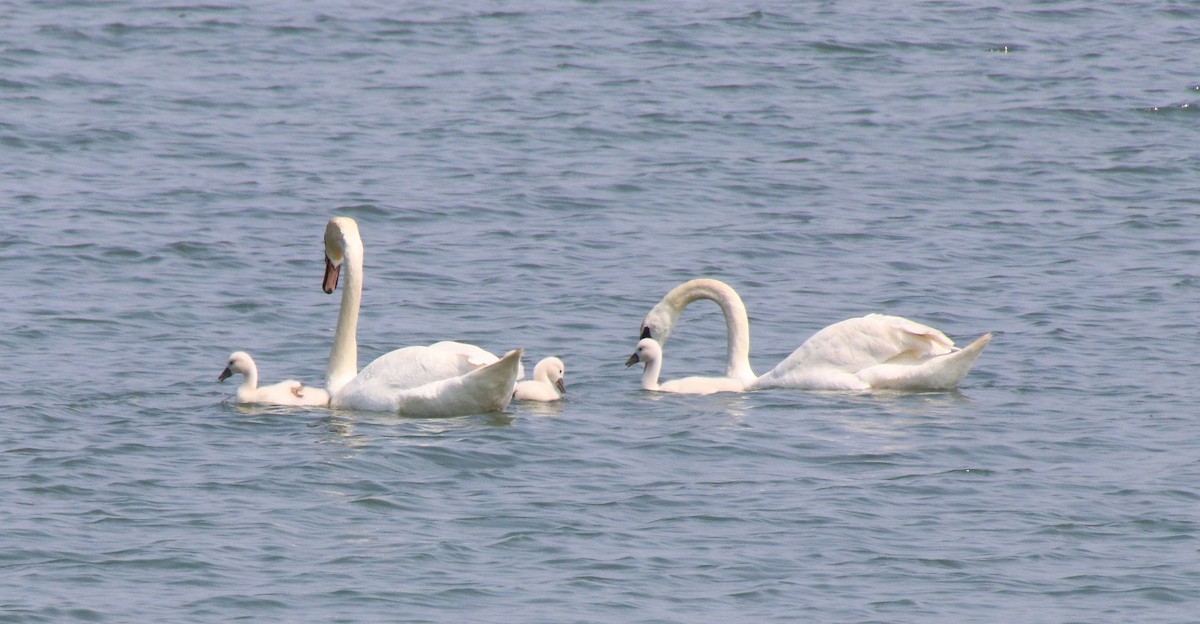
(552, 369)
(341, 235)
(648, 351)
(239, 364)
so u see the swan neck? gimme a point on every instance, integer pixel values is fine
(737, 321)
(650, 374)
(250, 378)
(343, 357)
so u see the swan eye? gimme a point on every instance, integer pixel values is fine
(645, 333)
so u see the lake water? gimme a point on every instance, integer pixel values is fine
(538, 175)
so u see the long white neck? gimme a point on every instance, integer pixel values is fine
(343, 357)
(650, 374)
(737, 322)
(250, 378)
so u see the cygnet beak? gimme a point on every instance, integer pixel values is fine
(562, 385)
(225, 374)
(633, 359)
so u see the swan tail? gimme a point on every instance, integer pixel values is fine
(487, 389)
(943, 372)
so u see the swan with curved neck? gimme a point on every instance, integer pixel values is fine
(649, 352)
(547, 384)
(287, 392)
(662, 318)
(446, 379)
(864, 353)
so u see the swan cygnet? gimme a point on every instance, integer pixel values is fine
(547, 383)
(650, 353)
(288, 392)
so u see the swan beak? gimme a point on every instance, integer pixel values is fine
(562, 385)
(645, 333)
(331, 276)
(633, 359)
(225, 374)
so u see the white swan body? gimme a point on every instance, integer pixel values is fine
(288, 392)
(402, 384)
(547, 383)
(650, 353)
(875, 352)
(445, 379)
(870, 352)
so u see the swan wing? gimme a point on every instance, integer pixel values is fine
(476, 356)
(487, 389)
(832, 358)
(404, 369)
(426, 382)
(941, 372)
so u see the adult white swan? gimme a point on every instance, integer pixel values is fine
(287, 392)
(445, 379)
(870, 352)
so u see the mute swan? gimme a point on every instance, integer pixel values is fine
(446, 379)
(547, 383)
(288, 392)
(870, 352)
(650, 352)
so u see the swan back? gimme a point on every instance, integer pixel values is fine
(481, 390)
(476, 356)
(874, 352)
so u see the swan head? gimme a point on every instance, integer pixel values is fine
(239, 364)
(552, 369)
(660, 321)
(341, 237)
(648, 351)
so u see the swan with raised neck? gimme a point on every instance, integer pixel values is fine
(445, 379)
(661, 320)
(343, 253)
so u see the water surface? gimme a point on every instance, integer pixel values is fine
(538, 175)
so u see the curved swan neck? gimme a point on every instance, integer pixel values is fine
(737, 322)
(343, 357)
(250, 377)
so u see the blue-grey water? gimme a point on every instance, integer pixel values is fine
(538, 175)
